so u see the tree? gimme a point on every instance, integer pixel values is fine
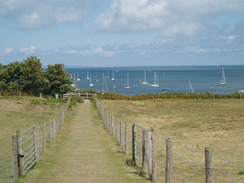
(33, 77)
(10, 77)
(59, 79)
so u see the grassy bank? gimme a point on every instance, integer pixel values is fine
(196, 123)
(20, 113)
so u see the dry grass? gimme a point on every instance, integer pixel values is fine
(82, 152)
(195, 123)
(22, 113)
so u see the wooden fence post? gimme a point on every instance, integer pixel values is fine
(15, 172)
(153, 177)
(37, 145)
(209, 165)
(112, 126)
(50, 131)
(20, 155)
(126, 139)
(144, 152)
(168, 167)
(120, 133)
(44, 136)
(133, 144)
(54, 128)
(147, 144)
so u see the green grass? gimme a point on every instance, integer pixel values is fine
(19, 113)
(197, 123)
(82, 152)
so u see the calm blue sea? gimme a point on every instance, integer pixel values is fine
(173, 79)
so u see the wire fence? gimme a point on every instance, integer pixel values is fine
(21, 152)
(178, 163)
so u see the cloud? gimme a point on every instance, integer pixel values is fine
(43, 13)
(7, 51)
(231, 38)
(89, 50)
(172, 17)
(100, 51)
(27, 50)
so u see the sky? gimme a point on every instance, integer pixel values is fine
(123, 32)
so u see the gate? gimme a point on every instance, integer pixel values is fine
(137, 142)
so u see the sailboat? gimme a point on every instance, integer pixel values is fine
(190, 88)
(91, 84)
(127, 85)
(87, 75)
(113, 76)
(73, 79)
(155, 83)
(241, 91)
(223, 80)
(164, 88)
(96, 78)
(145, 79)
(78, 79)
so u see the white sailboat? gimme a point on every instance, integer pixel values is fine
(127, 85)
(87, 75)
(164, 88)
(112, 76)
(223, 80)
(145, 79)
(241, 91)
(73, 78)
(91, 84)
(155, 83)
(78, 79)
(190, 88)
(96, 78)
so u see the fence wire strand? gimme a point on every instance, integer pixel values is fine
(187, 147)
(223, 172)
(180, 176)
(189, 162)
(5, 140)
(226, 160)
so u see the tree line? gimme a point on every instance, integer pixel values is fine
(29, 77)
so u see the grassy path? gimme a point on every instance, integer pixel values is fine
(82, 152)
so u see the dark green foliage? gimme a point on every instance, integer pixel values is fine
(28, 77)
(34, 81)
(116, 96)
(74, 100)
(59, 80)
(241, 172)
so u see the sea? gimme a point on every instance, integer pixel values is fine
(172, 79)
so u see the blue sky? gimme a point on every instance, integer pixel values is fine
(123, 32)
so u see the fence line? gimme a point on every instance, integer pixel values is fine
(27, 147)
(137, 143)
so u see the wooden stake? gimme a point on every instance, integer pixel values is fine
(15, 171)
(168, 168)
(20, 155)
(209, 165)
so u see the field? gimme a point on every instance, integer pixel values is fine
(20, 113)
(194, 125)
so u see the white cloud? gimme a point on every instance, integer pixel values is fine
(136, 15)
(7, 51)
(70, 51)
(43, 13)
(231, 38)
(100, 51)
(172, 17)
(27, 50)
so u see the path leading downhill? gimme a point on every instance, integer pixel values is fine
(82, 152)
